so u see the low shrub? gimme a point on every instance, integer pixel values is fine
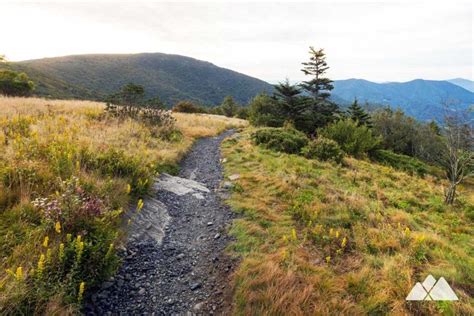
(286, 140)
(323, 149)
(399, 161)
(265, 111)
(188, 107)
(149, 115)
(354, 140)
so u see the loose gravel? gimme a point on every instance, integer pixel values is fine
(174, 261)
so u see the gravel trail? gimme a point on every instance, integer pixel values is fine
(174, 261)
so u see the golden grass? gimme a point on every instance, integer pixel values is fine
(296, 214)
(44, 142)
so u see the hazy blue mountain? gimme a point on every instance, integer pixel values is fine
(464, 83)
(422, 99)
(171, 77)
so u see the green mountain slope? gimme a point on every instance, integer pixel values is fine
(170, 77)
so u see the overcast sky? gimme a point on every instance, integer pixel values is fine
(379, 41)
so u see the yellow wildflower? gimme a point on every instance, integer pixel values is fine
(41, 265)
(343, 242)
(293, 234)
(80, 294)
(139, 205)
(57, 227)
(48, 256)
(129, 188)
(328, 259)
(61, 252)
(45, 242)
(407, 232)
(337, 234)
(19, 274)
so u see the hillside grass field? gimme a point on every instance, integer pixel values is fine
(68, 170)
(318, 238)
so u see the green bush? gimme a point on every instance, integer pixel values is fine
(286, 140)
(354, 140)
(188, 107)
(265, 111)
(323, 149)
(402, 162)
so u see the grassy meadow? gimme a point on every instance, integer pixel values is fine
(68, 170)
(317, 238)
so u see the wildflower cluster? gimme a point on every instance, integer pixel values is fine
(333, 241)
(70, 205)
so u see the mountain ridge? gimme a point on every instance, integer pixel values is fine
(173, 77)
(420, 98)
(168, 76)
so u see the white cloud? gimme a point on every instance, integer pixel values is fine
(382, 41)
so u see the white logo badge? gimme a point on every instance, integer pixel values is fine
(430, 290)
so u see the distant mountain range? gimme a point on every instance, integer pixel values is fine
(422, 99)
(174, 78)
(170, 77)
(466, 84)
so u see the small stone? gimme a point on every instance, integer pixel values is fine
(234, 176)
(198, 306)
(180, 256)
(227, 185)
(195, 286)
(209, 223)
(141, 291)
(217, 236)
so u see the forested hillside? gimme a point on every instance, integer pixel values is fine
(170, 77)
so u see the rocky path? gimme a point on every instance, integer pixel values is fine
(174, 261)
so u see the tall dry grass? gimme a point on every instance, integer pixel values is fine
(71, 153)
(318, 238)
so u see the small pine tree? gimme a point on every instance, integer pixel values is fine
(229, 107)
(319, 86)
(357, 114)
(291, 102)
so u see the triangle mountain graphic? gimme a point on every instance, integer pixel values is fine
(430, 290)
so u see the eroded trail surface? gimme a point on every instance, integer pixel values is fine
(174, 261)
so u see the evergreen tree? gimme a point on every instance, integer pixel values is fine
(318, 86)
(357, 114)
(229, 107)
(291, 103)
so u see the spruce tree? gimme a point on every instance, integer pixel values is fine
(318, 86)
(290, 101)
(357, 114)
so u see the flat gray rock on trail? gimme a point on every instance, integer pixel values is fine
(150, 222)
(174, 261)
(179, 186)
